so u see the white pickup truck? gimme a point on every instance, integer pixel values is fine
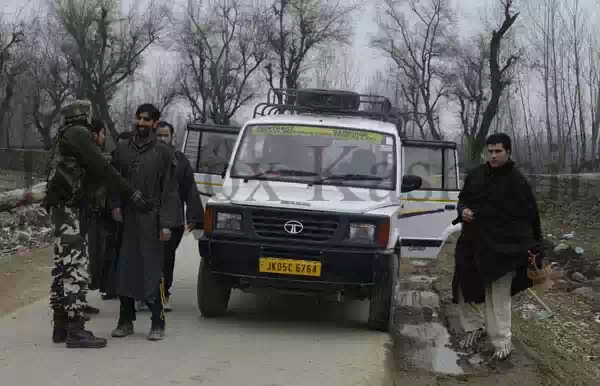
(321, 195)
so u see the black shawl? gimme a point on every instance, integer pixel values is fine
(505, 227)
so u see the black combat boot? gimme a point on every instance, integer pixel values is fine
(79, 337)
(59, 332)
(91, 310)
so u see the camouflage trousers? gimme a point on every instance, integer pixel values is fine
(70, 276)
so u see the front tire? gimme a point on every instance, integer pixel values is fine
(380, 308)
(212, 291)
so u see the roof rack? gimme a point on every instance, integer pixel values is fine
(322, 102)
(213, 128)
(428, 143)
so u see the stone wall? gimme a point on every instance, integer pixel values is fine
(24, 160)
(574, 200)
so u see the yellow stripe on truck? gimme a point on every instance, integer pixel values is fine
(207, 183)
(429, 199)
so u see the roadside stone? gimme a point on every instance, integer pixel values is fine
(561, 247)
(588, 293)
(579, 277)
(6, 220)
(23, 237)
(594, 283)
(566, 285)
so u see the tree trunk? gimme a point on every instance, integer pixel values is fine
(11, 199)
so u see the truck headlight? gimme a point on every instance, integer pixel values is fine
(361, 232)
(229, 221)
(368, 233)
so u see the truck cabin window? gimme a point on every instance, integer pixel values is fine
(435, 165)
(209, 152)
(317, 155)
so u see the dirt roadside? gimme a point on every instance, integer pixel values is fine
(24, 279)
(547, 352)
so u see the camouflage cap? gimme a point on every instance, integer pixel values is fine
(77, 110)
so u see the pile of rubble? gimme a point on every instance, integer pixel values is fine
(23, 228)
(580, 273)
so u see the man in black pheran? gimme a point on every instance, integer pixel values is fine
(501, 230)
(76, 172)
(149, 165)
(190, 211)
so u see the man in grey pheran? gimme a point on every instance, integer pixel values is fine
(150, 166)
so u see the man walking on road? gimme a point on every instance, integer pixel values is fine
(501, 230)
(190, 209)
(76, 171)
(149, 165)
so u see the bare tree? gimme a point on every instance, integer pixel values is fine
(334, 68)
(12, 65)
(125, 102)
(297, 28)
(576, 32)
(594, 86)
(162, 87)
(419, 51)
(540, 60)
(105, 48)
(54, 77)
(469, 84)
(389, 84)
(221, 49)
(499, 80)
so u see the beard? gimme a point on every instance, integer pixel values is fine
(143, 132)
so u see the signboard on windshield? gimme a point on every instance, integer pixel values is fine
(308, 131)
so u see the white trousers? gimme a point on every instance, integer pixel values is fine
(496, 314)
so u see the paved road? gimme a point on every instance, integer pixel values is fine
(265, 341)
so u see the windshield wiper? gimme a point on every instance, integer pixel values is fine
(346, 177)
(290, 172)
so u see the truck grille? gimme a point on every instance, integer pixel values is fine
(315, 226)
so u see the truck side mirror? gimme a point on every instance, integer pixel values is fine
(410, 182)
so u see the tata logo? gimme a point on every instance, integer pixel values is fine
(293, 227)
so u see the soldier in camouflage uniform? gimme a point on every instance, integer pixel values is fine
(77, 170)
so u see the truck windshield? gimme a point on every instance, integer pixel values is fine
(317, 154)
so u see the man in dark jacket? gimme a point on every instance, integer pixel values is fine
(94, 222)
(189, 201)
(99, 225)
(501, 228)
(149, 165)
(76, 171)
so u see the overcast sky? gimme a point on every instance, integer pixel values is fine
(471, 15)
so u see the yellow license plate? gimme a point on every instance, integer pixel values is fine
(289, 266)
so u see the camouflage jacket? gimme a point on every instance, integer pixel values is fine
(78, 171)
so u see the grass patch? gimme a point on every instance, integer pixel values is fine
(559, 366)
